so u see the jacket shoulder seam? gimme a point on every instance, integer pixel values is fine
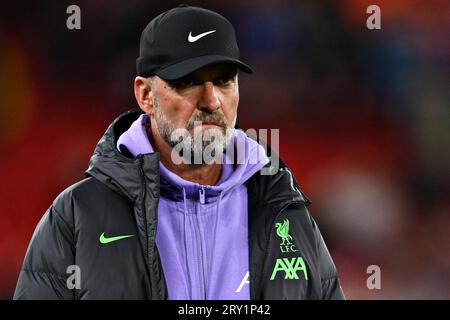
(335, 276)
(67, 224)
(44, 273)
(60, 215)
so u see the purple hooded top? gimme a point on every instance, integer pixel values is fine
(202, 234)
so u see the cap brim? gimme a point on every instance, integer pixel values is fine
(185, 67)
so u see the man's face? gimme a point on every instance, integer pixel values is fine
(209, 96)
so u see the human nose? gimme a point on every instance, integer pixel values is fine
(209, 99)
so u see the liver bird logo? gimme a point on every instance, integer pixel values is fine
(283, 232)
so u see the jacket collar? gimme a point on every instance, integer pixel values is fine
(116, 170)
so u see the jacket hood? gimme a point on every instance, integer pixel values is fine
(121, 172)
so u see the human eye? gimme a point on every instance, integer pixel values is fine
(182, 83)
(225, 80)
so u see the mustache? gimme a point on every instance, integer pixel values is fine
(209, 118)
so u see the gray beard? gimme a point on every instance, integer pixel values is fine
(197, 146)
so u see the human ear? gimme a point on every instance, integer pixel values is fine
(143, 93)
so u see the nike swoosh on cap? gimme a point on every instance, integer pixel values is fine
(192, 38)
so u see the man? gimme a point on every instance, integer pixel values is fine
(152, 223)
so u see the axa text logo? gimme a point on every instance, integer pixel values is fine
(290, 267)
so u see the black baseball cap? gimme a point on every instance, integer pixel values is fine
(184, 39)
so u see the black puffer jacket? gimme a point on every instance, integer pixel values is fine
(121, 194)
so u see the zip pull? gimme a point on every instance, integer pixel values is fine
(202, 195)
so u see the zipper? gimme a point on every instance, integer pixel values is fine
(200, 266)
(202, 195)
(151, 272)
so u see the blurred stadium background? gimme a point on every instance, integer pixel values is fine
(364, 120)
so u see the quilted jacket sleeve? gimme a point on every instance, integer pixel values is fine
(331, 288)
(50, 252)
